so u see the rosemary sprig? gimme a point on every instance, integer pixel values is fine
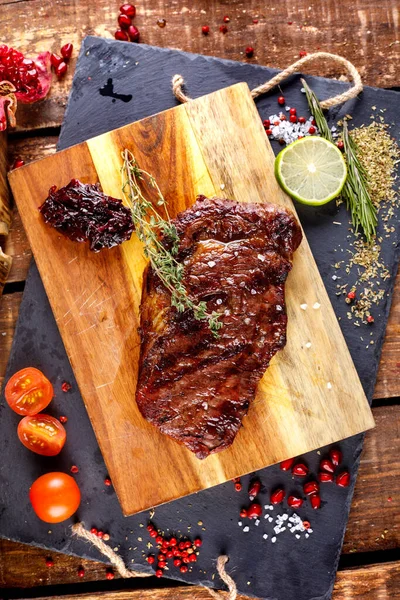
(150, 228)
(355, 191)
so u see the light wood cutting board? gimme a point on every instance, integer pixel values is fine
(309, 397)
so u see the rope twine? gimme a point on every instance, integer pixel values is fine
(178, 81)
(80, 531)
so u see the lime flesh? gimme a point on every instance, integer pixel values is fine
(311, 170)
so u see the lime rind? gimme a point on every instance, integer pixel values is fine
(312, 171)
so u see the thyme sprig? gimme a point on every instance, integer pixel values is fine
(355, 191)
(151, 228)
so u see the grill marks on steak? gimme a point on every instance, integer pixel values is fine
(236, 256)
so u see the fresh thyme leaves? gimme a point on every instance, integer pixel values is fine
(356, 189)
(150, 227)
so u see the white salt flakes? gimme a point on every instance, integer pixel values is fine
(240, 523)
(261, 257)
(222, 186)
(270, 519)
(308, 345)
(246, 529)
(247, 321)
(219, 301)
(297, 536)
(329, 385)
(211, 263)
(265, 536)
(273, 540)
(303, 306)
(316, 305)
(257, 522)
(287, 131)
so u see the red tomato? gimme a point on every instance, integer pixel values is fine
(28, 391)
(55, 497)
(42, 434)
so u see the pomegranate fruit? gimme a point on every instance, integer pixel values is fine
(30, 77)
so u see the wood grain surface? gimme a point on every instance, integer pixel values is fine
(375, 582)
(179, 148)
(5, 213)
(366, 33)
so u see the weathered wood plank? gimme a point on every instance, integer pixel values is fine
(374, 522)
(9, 307)
(366, 34)
(374, 582)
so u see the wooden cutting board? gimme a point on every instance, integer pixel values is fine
(309, 397)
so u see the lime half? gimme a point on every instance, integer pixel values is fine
(311, 170)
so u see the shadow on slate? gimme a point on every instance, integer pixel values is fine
(290, 568)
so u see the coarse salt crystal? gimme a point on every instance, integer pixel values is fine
(211, 263)
(247, 321)
(306, 536)
(270, 519)
(257, 522)
(240, 523)
(253, 292)
(261, 257)
(316, 305)
(219, 301)
(329, 385)
(303, 306)
(273, 540)
(297, 536)
(246, 529)
(265, 536)
(308, 345)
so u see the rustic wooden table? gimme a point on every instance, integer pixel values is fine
(367, 33)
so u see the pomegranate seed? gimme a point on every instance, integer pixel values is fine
(184, 554)
(254, 489)
(107, 481)
(150, 559)
(255, 21)
(343, 479)
(183, 569)
(325, 477)
(49, 562)
(292, 111)
(100, 534)
(315, 501)
(128, 9)
(267, 123)
(281, 100)
(268, 131)
(122, 36)
(336, 456)
(163, 551)
(172, 541)
(165, 544)
(293, 119)
(110, 575)
(106, 537)
(249, 51)
(55, 60)
(340, 145)
(177, 562)
(351, 295)
(124, 21)
(169, 554)
(238, 486)
(277, 496)
(153, 533)
(306, 524)
(226, 19)
(93, 530)
(254, 511)
(81, 572)
(192, 558)
(302, 53)
(205, 30)
(18, 162)
(286, 465)
(198, 542)
(327, 465)
(188, 544)
(65, 386)
(162, 564)
(159, 573)
(176, 552)
(302, 120)
(63, 419)
(66, 51)
(294, 502)
(311, 130)
(74, 469)
(159, 539)
(243, 513)
(311, 487)
(186, 560)
(223, 29)
(300, 470)
(134, 34)
(370, 319)
(181, 545)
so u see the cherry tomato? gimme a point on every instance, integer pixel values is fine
(42, 434)
(28, 391)
(55, 497)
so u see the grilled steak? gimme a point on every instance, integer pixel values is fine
(194, 387)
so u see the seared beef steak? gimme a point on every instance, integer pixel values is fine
(194, 387)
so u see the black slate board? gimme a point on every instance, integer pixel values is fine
(290, 568)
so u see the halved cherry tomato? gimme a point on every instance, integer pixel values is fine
(55, 497)
(42, 434)
(28, 391)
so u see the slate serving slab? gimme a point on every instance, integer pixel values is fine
(116, 83)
